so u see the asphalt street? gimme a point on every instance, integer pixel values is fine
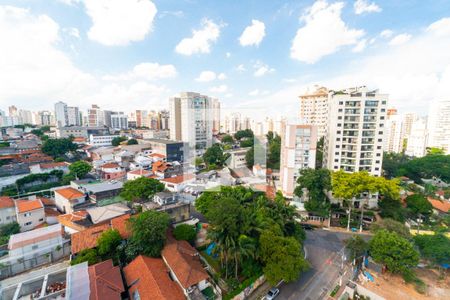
(324, 252)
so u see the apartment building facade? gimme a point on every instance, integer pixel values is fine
(355, 132)
(314, 109)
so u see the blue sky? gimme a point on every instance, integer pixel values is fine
(130, 54)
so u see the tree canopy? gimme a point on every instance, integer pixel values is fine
(148, 233)
(80, 168)
(394, 251)
(141, 188)
(247, 133)
(417, 205)
(58, 147)
(107, 243)
(132, 142)
(214, 155)
(357, 246)
(392, 226)
(435, 247)
(316, 182)
(237, 216)
(228, 139)
(117, 140)
(319, 153)
(89, 255)
(274, 150)
(185, 232)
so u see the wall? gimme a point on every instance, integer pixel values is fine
(34, 218)
(248, 290)
(7, 215)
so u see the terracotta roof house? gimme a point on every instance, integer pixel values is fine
(111, 171)
(87, 239)
(131, 175)
(105, 281)
(185, 266)
(7, 210)
(76, 221)
(121, 224)
(29, 213)
(178, 183)
(440, 206)
(68, 198)
(148, 278)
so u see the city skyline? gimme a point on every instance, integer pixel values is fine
(82, 56)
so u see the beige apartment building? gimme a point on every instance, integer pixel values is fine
(314, 109)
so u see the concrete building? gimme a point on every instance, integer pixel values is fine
(394, 139)
(164, 119)
(298, 151)
(81, 131)
(119, 121)
(29, 214)
(418, 139)
(439, 125)
(66, 115)
(7, 210)
(101, 140)
(216, 115)
(66, 199)
(191, 120)
(355, 134)
(314, 109)
(172, 150)
(237, 158)
(96, 117)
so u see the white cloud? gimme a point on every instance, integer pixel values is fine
(228, 54)
(72, 31)
(219, 89)
(253, 34)
(363, 6)
(201, 39)
(175, 13)
(146, 71)
(440, 27)
(257, 92)
(119, 22)
(400, 39)
(362, 44)
(241, 68)
(324, 33)
(387, 33)
(206, 76)
(222, 76)
(228, 95)
(262, 69)
(254, 93)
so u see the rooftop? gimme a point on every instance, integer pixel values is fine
(87, 238)
(150, 277)
(53, 165)
(6, 202)
(70, 193)
(163, 141)
(183, 260)
(34, 236)
(28, 205)
(107, 212)
(105, 281)
(102, 186)
(179, 179)
(441, 205)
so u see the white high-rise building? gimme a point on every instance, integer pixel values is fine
(191, 120)
(354, 139)
(96, 117)
(418, 138)
(439, 125)
(298, 151)
(25, 116)
(119, 120)
(393, 141)
(314, 109)
(45, 118)
(66, 115)
(73, 116)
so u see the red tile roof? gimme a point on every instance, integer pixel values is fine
(183, 260)
(28, 205)
(157, 155)
(53, 165)
(70, 193)
(179, 179)
(49, 212)
(110, 165)
(150, 277)
(70, 219)
(443, 206)
(6, 202)
(121, 224)
(47, 201)
(105, 281)
(87, 239)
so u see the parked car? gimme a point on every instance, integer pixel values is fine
(272, 294)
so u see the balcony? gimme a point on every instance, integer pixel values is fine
(370, 119)
(351, 119)
(352, 111)
(366, 148)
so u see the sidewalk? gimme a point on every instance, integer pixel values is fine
(260, 291)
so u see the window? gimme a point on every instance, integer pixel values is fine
(136, 295)
(28, 223)
(337, 146)
(339, 124)
(41, 219)
(27, 214)
(378, 147)
(378, 154)
(335, 167)
(380, 132)
(336, 160)
(34, 247)
(340, 110)
(338, 139)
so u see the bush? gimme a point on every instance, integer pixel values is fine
(89, 255)
(185, 232)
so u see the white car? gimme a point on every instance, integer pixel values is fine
(272, 294)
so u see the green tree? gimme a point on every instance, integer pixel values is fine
(228, 139)
(392, 226)
(435, 151)
(214, 155)
(429, 166)
(274, 147)
(247, 133)
(132, 142)
(141, 188)
(198, 161)
(148, 233)
(107, 243)
(394, 251)
(7, 230)
(317, 183)
(58, 147)
(434, 247)
(357, 246)
(89, 255)
(246, 143)
(393, 209)
(80, 168)
(257, 150)
(185, 232)
(282, 257)
(117, 140)
(393, 163)
(417, 205)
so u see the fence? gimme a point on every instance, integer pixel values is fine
(22, 265)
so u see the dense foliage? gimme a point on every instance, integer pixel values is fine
(7, 230)
(227, 139)
(418, 205)
(89, 255)
(252, 232)
(393, 209)
(141, 189)
(148, 234)
(107, 243)
(316, 183)
(247, 133)
(392, 226)
(185, 232)
(429, 166)
(356, 246)
(319, 153)
(117, 140)
(58, 147)
(80, 168)
(214, 156)
(273, 150)
(394, 251)
(132, 142)
(434, 247)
